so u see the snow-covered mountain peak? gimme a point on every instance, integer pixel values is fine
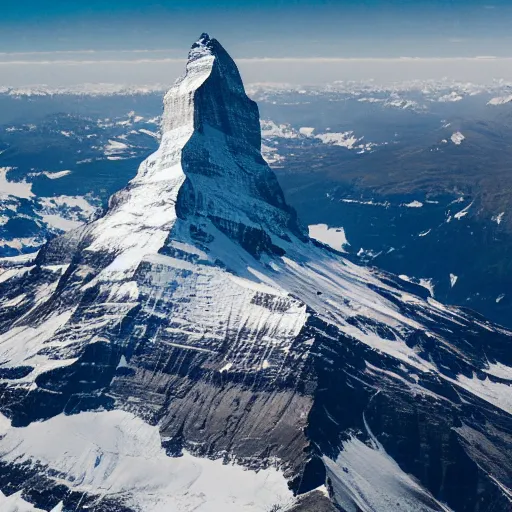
(213, 126)
(206, 181)
(208, 62)
(203, 41)
(204, 46)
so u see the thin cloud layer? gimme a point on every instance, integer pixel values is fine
(143, 66)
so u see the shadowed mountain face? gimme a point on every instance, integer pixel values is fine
(195, 321)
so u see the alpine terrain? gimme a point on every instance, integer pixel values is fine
(194, 349)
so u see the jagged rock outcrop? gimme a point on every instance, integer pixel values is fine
(196, 319)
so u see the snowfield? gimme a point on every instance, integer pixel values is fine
(116, 453)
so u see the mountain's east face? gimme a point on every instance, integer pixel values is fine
(195, 321)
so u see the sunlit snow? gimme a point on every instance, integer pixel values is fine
(116, 454)
(333, 237)
(457, 138)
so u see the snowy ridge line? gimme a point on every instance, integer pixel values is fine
(91, 89)
(350, 86)
(428, 86)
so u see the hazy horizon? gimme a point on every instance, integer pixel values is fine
(299, 41)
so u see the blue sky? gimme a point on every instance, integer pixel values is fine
(117, 31)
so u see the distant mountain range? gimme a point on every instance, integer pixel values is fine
(337, 150)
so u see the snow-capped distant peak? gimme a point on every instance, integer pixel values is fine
(345, 139)
(451, 97)
(500, 100)
(307, 131)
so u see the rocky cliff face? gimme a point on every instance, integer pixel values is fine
(195, 323)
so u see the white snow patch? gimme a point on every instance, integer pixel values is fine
(270, 129)
(21, 259)
(21, 243)
(498, 218)
(500, 100)
(496, 393)
(51, 203)
(10, 273)
(369, 480)
(368, 253)
(371, 100)
(226, 367)
(150, 133)
(403, 104)
(270, 154)
(371, 202)
(414, 204)
(499, 298)
(56, 175)
(114, 148)
(500, 370)
(453, 279)
(123, 363)
(21, 346)
(453, 96)
(457, 138)
(13, 302)
(463, 212)
(66, 212)
(345, 139)
(307, 131)
(333, 237)
(116, 453)
(14, 188)
(257, 287)
(58, 222)
(428, 284)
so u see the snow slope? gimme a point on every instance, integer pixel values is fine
(117, 453)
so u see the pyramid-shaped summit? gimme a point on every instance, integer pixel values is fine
(208, 173)
(195, 324)
(227, 179)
